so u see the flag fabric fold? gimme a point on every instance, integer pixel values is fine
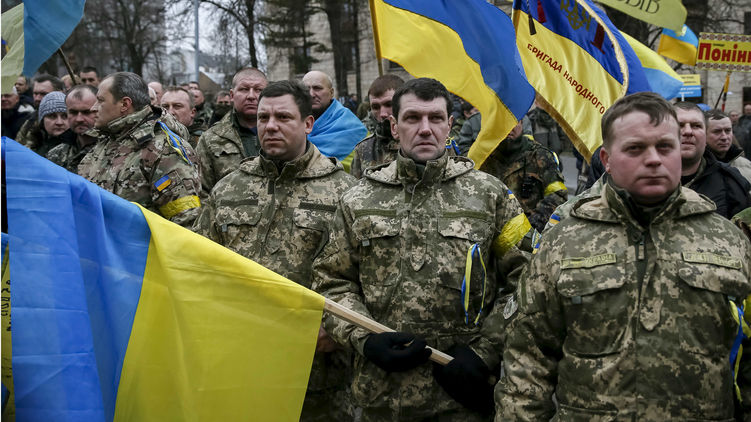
(663, 13)
(578, 62)
(13, 44)
(468, 46)
(46, 25)
(662, 78)
(121, 315)
(680, 47)
(337, 131)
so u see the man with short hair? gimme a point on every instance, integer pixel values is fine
(626, 311)
(179, 103)
(235, 137)
(701, 171)
(203, 109)
(222, 106)
(720, 142)
(43, 85)
(428, 246)
(22, 85)
(336, 130)
(380, 147)
(14, 114)
(293, 221)
(81, 118)
(89, 76)
(158, 90)
(140, 154)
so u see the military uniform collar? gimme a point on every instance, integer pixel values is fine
(122, 125)
(610, 207)
(311, 164)
(407, 169)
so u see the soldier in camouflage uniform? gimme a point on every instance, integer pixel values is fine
(79, 101)
(140, 154)
(276, 209)
(222, 147)
(399, 246)
(379, 147)
(629, 309)
(532, 172)
(178, 102)
(203, 108)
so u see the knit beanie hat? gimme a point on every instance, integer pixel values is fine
(54, 102)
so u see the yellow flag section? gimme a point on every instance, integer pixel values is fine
(420, 45)
(13, 44)
(9, 406)
(575, 89)
(216, 337)
(663, 13)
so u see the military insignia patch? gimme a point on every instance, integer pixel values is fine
(162, 183)
(510, 309)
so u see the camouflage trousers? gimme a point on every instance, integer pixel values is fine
(328, 405)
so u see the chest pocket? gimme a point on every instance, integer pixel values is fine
(596, 305)
(704, 316)
(311, 223)
(380, 256)
(237, 223)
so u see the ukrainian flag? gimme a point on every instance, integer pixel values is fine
(662, 78)
(466, 45)
(679, 47)
(118, 314)
(578, 62)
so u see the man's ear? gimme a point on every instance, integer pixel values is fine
(127, 104)
(309, 121)
(394, 134)
(605, 158)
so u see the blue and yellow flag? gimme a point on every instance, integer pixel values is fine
(680, 47)
(578, 62)
(119, 314)
(662, 13)
(466, 45)
(662, 78)
(36, 29)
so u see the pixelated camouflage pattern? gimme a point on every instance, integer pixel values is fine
(132, 153)
(282, 221)
(197, 129)
(204, 113)
(397, 254)
(220, 150)
(564, 210)
(28, 132)
(743, 221)
(68, 156)
(456, 128)
(376, 149)
(370, 123)
(624, 322)
(528, 168)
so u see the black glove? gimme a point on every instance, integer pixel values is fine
(396, 352)
(466, 379)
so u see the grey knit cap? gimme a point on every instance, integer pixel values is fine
(54, 102)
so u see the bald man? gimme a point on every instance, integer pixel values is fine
(337, 130)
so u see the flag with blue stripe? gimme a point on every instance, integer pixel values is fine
(468, 46)
(119, 314)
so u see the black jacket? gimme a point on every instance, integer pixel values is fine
(721, 183)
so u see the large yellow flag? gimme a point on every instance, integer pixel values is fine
(663, 13)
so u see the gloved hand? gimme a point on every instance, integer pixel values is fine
(466, 379)
(395, 351)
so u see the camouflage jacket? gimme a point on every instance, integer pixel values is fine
(220, 150)
(28, 132)
(196, 130)
(625, 322)
(134, 159)
(397, 254)
(69, 156)
(531, 171)
(378, 148)
(370, 123)
(282, 222)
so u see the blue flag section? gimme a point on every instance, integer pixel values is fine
(46, 26)
(466, 45)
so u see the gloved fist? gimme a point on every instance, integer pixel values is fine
(466, 379)
(396, 352)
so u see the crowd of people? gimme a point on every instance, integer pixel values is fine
(623, 302)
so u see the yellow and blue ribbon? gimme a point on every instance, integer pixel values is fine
(175, 142)
(473, 251)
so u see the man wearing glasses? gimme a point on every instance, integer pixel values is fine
(81, 118)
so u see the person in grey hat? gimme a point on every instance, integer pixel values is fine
(53, 124)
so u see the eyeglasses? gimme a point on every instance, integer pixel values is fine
(84, 113)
